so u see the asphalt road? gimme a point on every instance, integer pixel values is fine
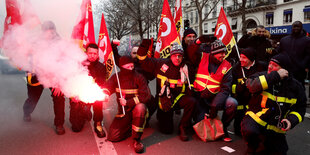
(38, 136)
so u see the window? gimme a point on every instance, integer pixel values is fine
(234, 23)
(287, 16)
(196, 18)
(307, 13)
(213, 26)
(206, 10)
(214, 13)
(205, 28)
(192, 17)
(286, 0)
(269, 18)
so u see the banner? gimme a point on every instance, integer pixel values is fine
(150, 51)
(167, 33)
(224, 33)
(178, 18)
(105, 49)
(83, 32)
(12, 14)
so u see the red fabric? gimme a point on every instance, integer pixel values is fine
(178, 18)
(84, 29)
(13, 15)
(167, 33)
(149, 52)
(209, 129)
(223, 31)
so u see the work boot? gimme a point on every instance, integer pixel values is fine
(183, 135)
(27, 118)
(99, 130)
(60, 130)
(138, 146)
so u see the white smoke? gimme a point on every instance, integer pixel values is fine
(57, 63)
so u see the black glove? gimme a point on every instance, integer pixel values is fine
(203, 39)
(144, 47)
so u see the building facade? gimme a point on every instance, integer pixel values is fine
(276, 15)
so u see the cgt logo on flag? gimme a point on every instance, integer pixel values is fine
(224, 33)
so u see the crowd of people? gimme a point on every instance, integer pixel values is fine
(262, 91)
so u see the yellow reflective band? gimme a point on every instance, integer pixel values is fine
(263, 123)
(164, 79)
(240, 80)
(29, 77)
(119, 115)
(212, 86)
(240, 107)
(200, 83)
(128, 91)
(146, 116)
(141, 57)
(262, 112)
(233, 89)
(297, 115)
(256, 118)
(137, 129)
(136, 99)
(274, 128)
(263, 81)
(177, 99)
(280, 99)
(207, 77)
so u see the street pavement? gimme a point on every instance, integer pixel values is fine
(38, 136)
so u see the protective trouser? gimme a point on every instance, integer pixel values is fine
(77, 117)
(165, 119)
(34, 94)
(133, 121)
(259, 140)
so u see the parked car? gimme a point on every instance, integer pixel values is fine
(6, 68)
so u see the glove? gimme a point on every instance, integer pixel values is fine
(144, 47)
(203, 39)
(114, 44)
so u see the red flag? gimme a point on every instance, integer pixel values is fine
(12, 14)
(83, 31)
(105, 49)
(178, 18)
(150, 51)
(167, 33)
(223, 32)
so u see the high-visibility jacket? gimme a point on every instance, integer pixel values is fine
(211, 81)
(275, 99)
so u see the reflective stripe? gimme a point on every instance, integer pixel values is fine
(297, 115)
(29, 77)
(136, 99)
(262, 112)
(164, 79)
(264, 100)
(141, 57)
(280, 99)
(233, 88)
(263, 82)
(174, 101)
(137, 129)
(263, 123)
(204, 85)
(240, 80)
(128, 91)
(241, 107)
(207, 77)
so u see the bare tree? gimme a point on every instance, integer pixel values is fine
(200, 5)
(241, 8)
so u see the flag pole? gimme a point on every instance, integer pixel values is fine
(119, 86)
(239, 60)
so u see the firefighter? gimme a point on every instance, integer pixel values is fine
(135, 93)
(171, 88)
(249, 66)
(79, 111)
(278, 104)
(35, 89)
(213, 83)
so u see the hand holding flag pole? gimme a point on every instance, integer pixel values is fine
(119, 86)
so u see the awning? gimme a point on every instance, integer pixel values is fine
(287, 12)
(269, 14)
(307, 9)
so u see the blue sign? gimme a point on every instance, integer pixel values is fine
(278, 30)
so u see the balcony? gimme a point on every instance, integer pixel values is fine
(251, 7)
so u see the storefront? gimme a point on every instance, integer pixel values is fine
(279, 32)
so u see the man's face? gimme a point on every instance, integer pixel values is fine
(92, 54)
(296, 28)
(260, 31)
(129, 66)
(176, 59)
(220, 56)
(134, 52)
(189, 39)
(273, 67)
(245, 62)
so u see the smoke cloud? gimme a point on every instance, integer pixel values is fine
(56, 62)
